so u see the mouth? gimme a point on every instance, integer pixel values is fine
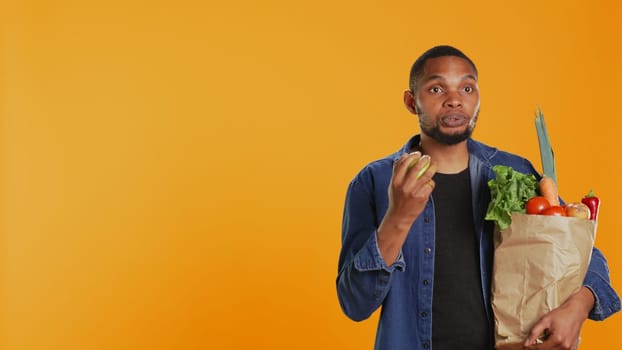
(454, 120)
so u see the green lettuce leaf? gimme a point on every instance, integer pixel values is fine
(509, 191)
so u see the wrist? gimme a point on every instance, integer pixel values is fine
(584, 300)
(396, 224)
(391, 235)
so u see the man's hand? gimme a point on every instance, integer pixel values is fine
(562, 326)
(411, 186)
(409, 191)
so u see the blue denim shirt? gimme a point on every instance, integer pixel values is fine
(404, 289)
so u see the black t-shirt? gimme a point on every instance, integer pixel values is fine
(459, 318)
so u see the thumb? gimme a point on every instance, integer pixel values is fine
(537, 330)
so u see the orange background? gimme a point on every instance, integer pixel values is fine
(173, 172)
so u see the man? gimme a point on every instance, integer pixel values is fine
(415, 240)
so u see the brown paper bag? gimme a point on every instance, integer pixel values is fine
(539, 261)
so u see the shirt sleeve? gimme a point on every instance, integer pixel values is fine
(364, 278)
(369, 258)
(607, 301)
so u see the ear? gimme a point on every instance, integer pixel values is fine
(409, 102)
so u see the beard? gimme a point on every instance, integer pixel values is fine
(435, 133)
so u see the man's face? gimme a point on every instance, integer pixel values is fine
(447, 99)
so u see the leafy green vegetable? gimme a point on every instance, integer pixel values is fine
(508, 192)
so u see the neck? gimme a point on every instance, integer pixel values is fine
(449, 159)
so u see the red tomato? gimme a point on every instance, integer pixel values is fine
(555, 210)
(536, 204)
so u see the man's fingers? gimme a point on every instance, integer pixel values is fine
(419, 176)
(418, 167)
(412, 178)
(536, 332)
(427, 189)
(402, 165)
(424, 185)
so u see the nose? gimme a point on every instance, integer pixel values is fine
(453, 100)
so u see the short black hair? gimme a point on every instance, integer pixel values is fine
(416, 71)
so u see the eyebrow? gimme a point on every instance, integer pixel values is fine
(440, 77)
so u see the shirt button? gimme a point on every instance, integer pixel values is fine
(426, 345)
(427, 219)
(424, 314)
(426, 282)
(427, 250)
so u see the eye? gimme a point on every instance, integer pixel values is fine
(436, 90)
(468, 89)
